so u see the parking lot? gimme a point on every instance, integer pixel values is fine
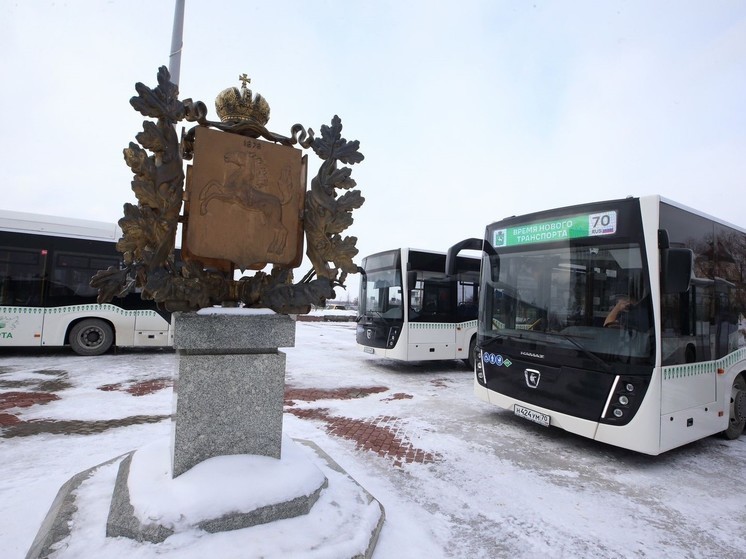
(457, 477)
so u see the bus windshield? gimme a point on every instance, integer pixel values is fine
(381, 287)
(577, 296)
(410, 309)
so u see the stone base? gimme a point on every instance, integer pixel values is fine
(339, 518)
(259, 490)
(227, 404)
(229, 391)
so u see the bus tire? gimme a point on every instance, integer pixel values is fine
(91, 337)
(737, 416)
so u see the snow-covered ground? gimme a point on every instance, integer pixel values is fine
(491, 485)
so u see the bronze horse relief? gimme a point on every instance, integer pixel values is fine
(246, 186)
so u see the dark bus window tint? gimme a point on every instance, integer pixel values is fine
(702, 324)
(72, 273)
(21, 277)
(437, 300)
(730, 263)
(467, 298)
(426, 261)
(98, 263)
(72, 261)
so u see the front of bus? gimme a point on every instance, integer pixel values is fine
(566, 333)
(380, 305)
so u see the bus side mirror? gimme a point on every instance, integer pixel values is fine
(676, 270)
(494, 266)
(473, 244)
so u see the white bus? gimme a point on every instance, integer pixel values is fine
(621, 321)
(46, 265)
(410, 310)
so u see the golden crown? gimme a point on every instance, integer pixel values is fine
(234, 106)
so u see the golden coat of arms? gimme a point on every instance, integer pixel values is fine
(246, 199)
(245, 206)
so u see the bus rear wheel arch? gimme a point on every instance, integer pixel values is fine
(91, 336)
(471, 360)
(737, 416)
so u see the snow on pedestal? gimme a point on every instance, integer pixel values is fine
(220, 494)
(344, 523)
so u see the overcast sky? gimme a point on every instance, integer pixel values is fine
(466, 111)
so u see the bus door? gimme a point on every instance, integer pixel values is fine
(432, 332)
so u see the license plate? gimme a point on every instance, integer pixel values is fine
(369, 350)
(531, 415)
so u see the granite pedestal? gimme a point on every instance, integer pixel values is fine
(230, 387)
(228, 400)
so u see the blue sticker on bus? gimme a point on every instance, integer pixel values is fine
(496, 359)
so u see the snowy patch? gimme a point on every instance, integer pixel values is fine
(217, 486)
(235, 311)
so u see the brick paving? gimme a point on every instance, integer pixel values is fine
(9, 400)
(313, 394)
(25, 399)
(385, 435)
(139, 388)
(75, 426)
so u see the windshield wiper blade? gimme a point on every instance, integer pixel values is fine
(376, 315)
(585, 351)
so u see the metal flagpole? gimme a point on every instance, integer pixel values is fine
(174, 59)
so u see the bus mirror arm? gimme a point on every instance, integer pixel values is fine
(473, 244)
(676, 269)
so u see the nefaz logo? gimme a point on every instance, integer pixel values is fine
(369, 333)
(532, 377)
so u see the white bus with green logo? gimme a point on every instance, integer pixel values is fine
(46, 265)
(409, 310)
(621, 321)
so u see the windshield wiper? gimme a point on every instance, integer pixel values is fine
(528, 335)
(585, 351)
(377, 315)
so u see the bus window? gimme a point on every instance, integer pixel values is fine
(466, 301)
(21, 277)
(72, 273)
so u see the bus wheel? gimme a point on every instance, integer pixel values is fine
(737, 420)
(91, 337)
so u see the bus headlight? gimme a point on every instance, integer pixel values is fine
(479, 368)
(625, 400)
(393, 336)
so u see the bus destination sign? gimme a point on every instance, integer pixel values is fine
(573, 227)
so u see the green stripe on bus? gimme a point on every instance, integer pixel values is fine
(703, 368)
(77, 308)
(441, 325)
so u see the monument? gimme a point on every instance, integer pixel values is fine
(243, 204)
